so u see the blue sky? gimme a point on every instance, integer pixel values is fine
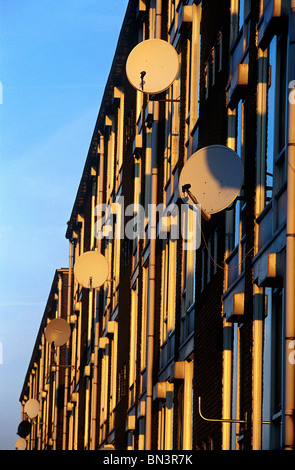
(55, 57)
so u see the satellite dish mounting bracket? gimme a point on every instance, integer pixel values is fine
(186, 189)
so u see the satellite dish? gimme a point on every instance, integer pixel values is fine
(21, 444)
(91, 269)
(152, 66)
(24, 428)
(57, 331)
(32, 408)
(214, 176)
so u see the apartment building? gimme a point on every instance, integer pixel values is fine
(45, 378)
(184, 347)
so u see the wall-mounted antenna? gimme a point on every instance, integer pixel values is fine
(21, 444)
(57, 332)
(24, 428)
(211, 177)
(152, 66)
(91, 269)
(32, 408)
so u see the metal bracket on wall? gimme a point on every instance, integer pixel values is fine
(222, 420)
(186, 189)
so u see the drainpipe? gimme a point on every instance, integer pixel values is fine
(289, 405)
(258, 296)
(57, 373)
(94, 412)
(67, 369)
(152, 259)
(227, 354)
(227, 383)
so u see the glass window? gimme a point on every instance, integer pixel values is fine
(168, 297)
(271, 106)
(172, 129)
(241, 13)
(236, 385)
(239, 143)
(273, 370)
(133, 343)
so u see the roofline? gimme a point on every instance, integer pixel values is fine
(41, 328)
(117, 68)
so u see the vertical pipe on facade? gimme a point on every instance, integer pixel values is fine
(227, 326)
(42, 384)
(100, 182)
(57, 372)
(258, 313)
(152, 257)
(39, 392)
(257, 370)
(226, 383)
(67, 369)
(289, 405)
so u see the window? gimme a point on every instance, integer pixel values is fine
(111, 144)
(122, 378)
(270, 121)
(240, 30)
(213, 59)
(113, 378)
(188, 272)
(273, 369)
(272, 99)
(133, 343)
(168, 300)
(236, 132)
(144, 316)
(241, 13)
(193, 44)
(134, 227)
(171, 13)
(171, 135)
(242, 16)
(104, 392)
(220, 41)
(236, 385)
(207, 77)
(276, 112)
(215, 250)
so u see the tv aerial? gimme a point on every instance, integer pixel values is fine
(91, 269)
(32, 408)
(152, 66)
(58, 331)
(212, 177)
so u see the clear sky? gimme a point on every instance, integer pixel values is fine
(55, 57)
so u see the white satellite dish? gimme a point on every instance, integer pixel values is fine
(21, 444)
(58, 331)
(91, 269)
(214, 176)
(32, 407)
(152, 66)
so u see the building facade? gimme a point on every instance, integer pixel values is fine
(184, 346)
